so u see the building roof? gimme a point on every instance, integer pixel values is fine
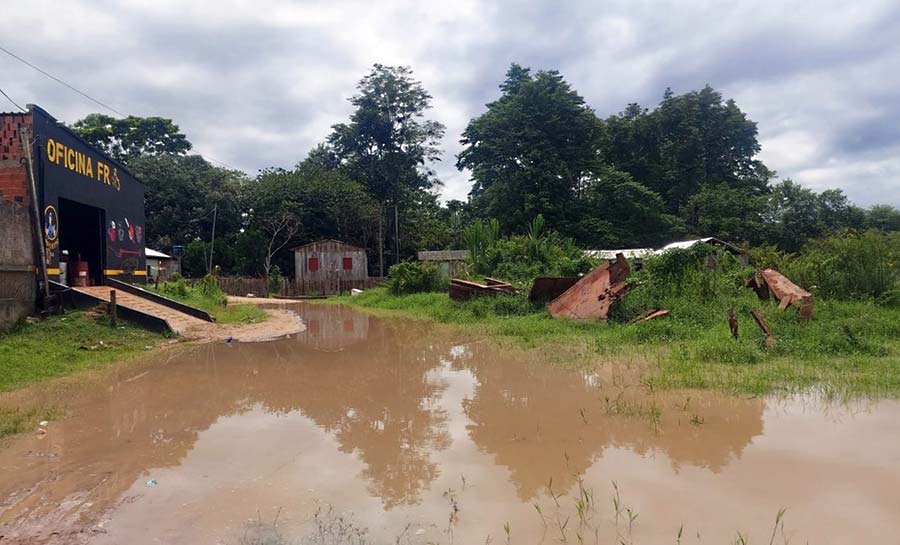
(633, 253)
(684, 244)
(443, 255)
(630, 253)
(341, 242)
(153, 254)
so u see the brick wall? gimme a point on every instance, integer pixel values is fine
(13, 176)
(17, 273)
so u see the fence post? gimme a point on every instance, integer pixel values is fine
(112, 307)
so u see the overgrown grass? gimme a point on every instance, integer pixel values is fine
(15, 421)
(61, 345)
(847, 349)
(206, 295)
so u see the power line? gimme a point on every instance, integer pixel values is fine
(11, 100)
(56, 79)
(214, 160)
(85, 95)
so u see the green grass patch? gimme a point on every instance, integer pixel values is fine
(849, 348)
(61, 345)
(206, 295)
(15, 421)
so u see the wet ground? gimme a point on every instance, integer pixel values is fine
(404, 432)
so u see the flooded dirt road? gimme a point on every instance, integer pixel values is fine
(421, 434)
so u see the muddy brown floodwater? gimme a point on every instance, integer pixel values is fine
(422, 434)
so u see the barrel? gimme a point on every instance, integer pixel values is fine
(78, 275)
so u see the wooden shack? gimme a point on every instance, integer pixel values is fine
(328, 267)
(448, 262)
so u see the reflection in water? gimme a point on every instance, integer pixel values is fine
(385, 418)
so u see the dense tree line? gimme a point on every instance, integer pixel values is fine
(642, 177)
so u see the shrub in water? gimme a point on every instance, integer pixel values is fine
(414, 277)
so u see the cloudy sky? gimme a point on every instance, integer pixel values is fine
(257, 83)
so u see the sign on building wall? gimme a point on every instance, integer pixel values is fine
(70, 169)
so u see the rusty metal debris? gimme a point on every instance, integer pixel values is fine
(761, 322)
(650, 315)
(786, 292)
(463, 290)
(548, 288)
(593, 295)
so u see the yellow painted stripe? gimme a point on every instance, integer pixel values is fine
(53, 271)
(116, 272)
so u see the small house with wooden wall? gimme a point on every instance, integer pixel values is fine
(330, 266)
(448, 262)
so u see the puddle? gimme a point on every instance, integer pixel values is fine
(420, 434)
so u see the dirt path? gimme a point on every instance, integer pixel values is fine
(280, 323)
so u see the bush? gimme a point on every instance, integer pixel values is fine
(209, 288)
(696, 284)
(851, 266)
(414, 277)
(176, 287)
(519, 259)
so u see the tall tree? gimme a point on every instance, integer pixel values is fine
(884, 217)
(690, 141)
(182, 191)
(724, 212)
(532, 151)
(131, 137)
(388, 144)
(305, 204)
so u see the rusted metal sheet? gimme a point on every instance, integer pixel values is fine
(593, 295)
(650, 315)
(788, 293)
(758, 284)
(463, 290)
(764, 327)
(548, 288)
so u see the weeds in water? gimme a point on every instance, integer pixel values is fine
(697, 420)
(331, 528)
(450, 496)
(618, 406)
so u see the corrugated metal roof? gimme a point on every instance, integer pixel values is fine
(630, 253)
(341, 242)
(443, 255)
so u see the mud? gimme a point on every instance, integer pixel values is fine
(420, 434)
(280, 322)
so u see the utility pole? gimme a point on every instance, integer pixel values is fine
(212, 242)
(396, 233)
(25, 136)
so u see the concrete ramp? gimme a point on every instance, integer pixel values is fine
(177, 321)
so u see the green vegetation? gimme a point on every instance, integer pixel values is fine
(688, 166)
(206, 295)
(850, 347)
(520, 258)
(414, 277)
(14, 421)
(61, 345)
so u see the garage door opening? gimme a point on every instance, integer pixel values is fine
(81, 230)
